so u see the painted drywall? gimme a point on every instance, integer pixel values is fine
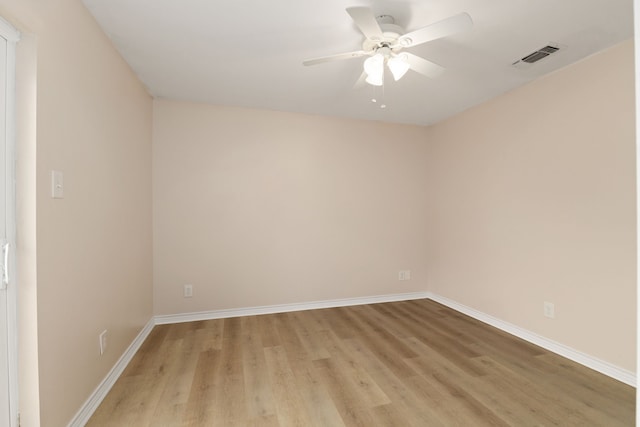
(257, 208)
(529, 198)
(533, 198)
(261, 207)
(93, 253)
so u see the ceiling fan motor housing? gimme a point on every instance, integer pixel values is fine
(390, 34)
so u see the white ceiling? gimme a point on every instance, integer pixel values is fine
(249, 53)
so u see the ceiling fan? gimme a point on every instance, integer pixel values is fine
(384, 42)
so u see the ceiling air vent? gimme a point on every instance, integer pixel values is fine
(537, 55)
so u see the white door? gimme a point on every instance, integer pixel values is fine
(8, 300)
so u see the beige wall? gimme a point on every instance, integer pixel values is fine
(93, 250)
(534, 200)
(525, 199)
(528, 198)
(258, 208)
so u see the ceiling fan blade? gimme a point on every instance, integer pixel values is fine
(422, 66)
(338, 57)
(366, 22)
(360, 83)
(446, 27)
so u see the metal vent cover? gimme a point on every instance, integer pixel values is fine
(539, 54)
(536, 56)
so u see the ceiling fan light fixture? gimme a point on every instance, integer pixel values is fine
(374, 68)
(383, 40)
(398, 65)
(374, 80)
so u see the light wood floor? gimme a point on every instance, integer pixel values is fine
(413, 363)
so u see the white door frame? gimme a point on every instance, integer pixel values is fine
(11, 35)
(636, 38)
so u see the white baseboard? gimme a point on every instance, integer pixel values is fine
(103, 388)
(283, 308)
(594, 363)
(92, 403)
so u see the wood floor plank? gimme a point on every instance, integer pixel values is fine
(431, 361)
(144, 391)
(387, 353)
(259, 396)
(387, 315)
(389, 415)
(209, 336)
(306, 331)
(564, 377)
(149, 351)
(458, 353)
(409, 364)
(488, 391)
(264, 421)
(203, 390)
(354, 376)
(231, 328)
(480, 414)
(174, 399)
(229, 404)
(345, 394)
(316, 398)
(441, 325)
(534, 402)
(449, 412)
(419, 413)
(375, 330)
(268, 331)
(335, 320)
(120, 396)
(289, 405)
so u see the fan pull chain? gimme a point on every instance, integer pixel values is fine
(380, 101)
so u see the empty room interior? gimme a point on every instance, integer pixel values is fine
(285, 213)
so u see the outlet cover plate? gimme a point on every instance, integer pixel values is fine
(188, 291)
(549, 310)
(404, 275)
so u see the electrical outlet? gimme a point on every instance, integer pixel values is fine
(404, 275)
(103, 342)
(549, 310)
(188, 291)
